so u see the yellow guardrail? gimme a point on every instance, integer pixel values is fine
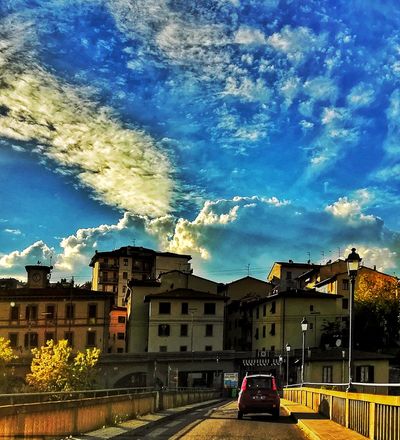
(374, 416)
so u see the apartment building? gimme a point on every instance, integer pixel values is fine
(183, 320)
(31, 315)
(112, 270)
(284, 274)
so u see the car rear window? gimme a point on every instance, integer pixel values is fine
(264, 383)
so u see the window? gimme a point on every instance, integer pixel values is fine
(124, 275)
(311, 324)
(257, 313)
(69, 336)
(48, 336)
(259, 382)
(288, 275)
(70, 311)
(327, 374)
(184, 308)
(311, 308)
(125, 262)
(209, 308)
(163, 348)
(123, 289)
(164, 308)
(183, 348)
(91, 339)
(92, 313)
(50, 312)
(30, 340)
(120, 350)
(345, 303)
(272, 347)
(264, 331)
(273, 307)
(14, 313)
(209, 330)
(208, 348)
(364, 373)
(13, 337)
(256, 335)
(121, 336)
(264, 310)
(345, 284)
(163, 330)
(121, 319)
(272, 331)
(184, 329)
(31, 313)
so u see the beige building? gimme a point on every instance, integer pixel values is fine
(31, 315)
(276, 319)
(283, 274)
(112, 270)
(138, 309)
(183, 320)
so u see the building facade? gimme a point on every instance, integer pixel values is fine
(112, 270)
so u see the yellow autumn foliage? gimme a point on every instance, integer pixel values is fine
(54, 368)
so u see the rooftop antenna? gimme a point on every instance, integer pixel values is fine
(339, 252)
(323, 256)
(248, 270)
(134, 242)
(309, 257)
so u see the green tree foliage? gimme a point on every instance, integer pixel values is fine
(6, 374)
(54, 368)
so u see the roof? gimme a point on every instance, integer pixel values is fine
(298, 293)
(247, 278)
(326, 281)
(55, 293)
(187, 275)
(185, 293)
(335, 354)
(128, 251)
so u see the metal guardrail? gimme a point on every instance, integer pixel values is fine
(18, 398)
(330, 384)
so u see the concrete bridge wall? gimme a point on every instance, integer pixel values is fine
(74, 417)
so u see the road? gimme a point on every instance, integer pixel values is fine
(213, 423)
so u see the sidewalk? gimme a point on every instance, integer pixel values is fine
(315, 426)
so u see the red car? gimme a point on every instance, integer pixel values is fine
(258, 394)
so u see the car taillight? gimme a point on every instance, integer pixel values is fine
(244, 385)
(274, 385)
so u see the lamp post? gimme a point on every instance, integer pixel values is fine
(353, 264)
(288, 348)
(304, 327)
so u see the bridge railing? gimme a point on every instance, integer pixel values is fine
(371, 415)
(62, 415)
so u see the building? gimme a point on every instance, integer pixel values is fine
(138, 308)
(31, 315)
(112, 270)
(238, 322)
(284, 275)
(183, 320)
(117, 335)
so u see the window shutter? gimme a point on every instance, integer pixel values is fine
(371, 373)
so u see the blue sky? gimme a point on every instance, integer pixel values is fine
(240, 132)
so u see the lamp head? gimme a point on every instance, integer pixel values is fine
(288, 347)
(304, 325)
(353, 263)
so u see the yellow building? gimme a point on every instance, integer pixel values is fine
(284, 274)
(31, 315)
(183, 320)
(117, 335)
(112, 270)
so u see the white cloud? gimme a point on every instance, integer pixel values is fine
(321, 88)
(350, 210)
(16, 260)
(361, 95)
(13, 231)
(122, 167)
(296, 43)
(383, 258)
(247, 89)
(247, 36)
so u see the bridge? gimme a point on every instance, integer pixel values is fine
(63, 414)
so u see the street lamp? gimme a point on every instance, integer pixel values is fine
(353, 264)
(304, 327)
(288, 348)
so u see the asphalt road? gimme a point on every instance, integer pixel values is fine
(218, 422)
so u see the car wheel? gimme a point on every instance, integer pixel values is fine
(240, 415)
(275, 414)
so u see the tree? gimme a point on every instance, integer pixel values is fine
(54, 368)
(6, 375)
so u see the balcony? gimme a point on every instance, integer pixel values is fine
(103, 280)
(111, 266)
